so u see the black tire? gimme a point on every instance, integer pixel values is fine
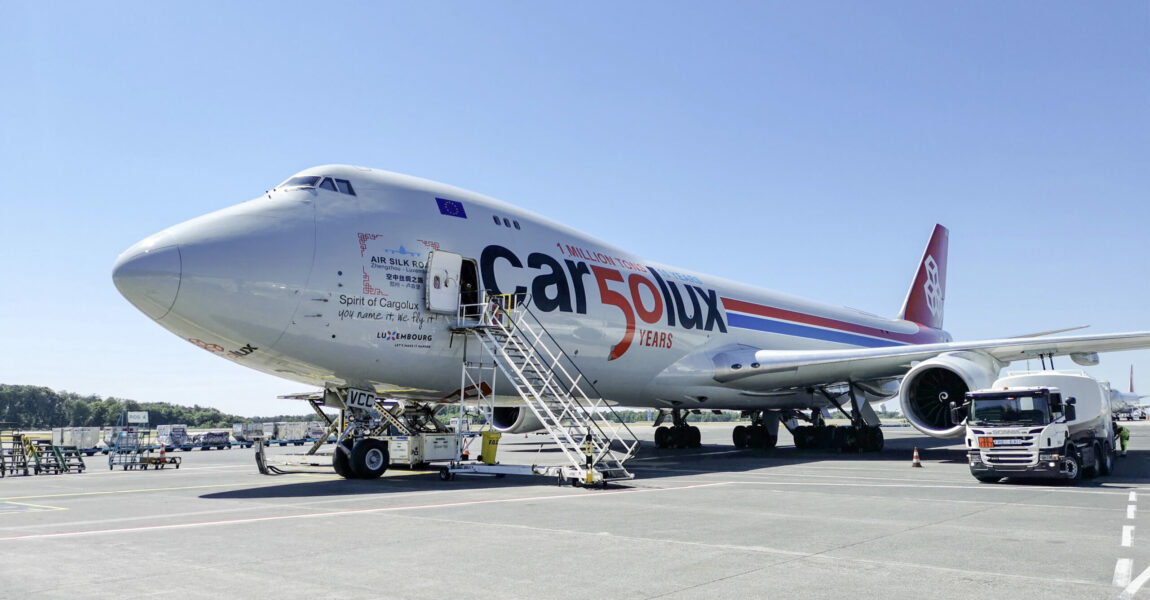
(1107, 460)
(1072, 465)
(739, 436)
(755, 436)
(341, 461)
(988, 478)
(1096, 467)
(445, 474)
(661, 437)
(801, 437)
(369, 458)
(770, 441)
(694, 437)
(877, 439)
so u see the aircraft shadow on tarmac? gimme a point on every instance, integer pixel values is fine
(652, 465)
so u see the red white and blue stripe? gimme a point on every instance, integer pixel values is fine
(760, 317)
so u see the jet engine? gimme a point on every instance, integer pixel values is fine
(929, 388)
(514, 419)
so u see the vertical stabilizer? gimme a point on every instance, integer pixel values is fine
(924, 301)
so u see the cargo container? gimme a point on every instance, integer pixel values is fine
(84, 439)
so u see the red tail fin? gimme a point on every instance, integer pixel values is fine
(924, 301)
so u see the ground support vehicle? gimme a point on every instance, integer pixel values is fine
(174, 437)
(84, 439)
(246, 434)
(1046, 424)
(159, 461)
(289, 432)
(1130, 414)
(220, 440)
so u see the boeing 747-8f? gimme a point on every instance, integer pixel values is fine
(351, 278)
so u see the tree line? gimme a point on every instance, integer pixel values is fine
(33, 407)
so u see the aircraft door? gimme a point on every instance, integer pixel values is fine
(442, 281)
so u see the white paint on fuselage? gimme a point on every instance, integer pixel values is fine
(325, 288)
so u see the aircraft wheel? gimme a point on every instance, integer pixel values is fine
(694, 437)
(661, 437)
(802, 436)
(341, 461)
(369, 458)
(769, 441)
(879, 441)
(739, 436)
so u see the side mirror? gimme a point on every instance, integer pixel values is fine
(1069, 412)
(958, 413)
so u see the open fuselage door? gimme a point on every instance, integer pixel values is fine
(442, 282)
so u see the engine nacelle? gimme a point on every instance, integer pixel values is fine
(930, 387)
(514, 419)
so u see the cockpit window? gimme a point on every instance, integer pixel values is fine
(307, 181)
(345, 186)
(312, 182)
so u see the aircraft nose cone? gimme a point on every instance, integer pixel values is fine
(148, 275)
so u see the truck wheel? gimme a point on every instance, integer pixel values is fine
(1107, 460)
(1096, 467)
(369, 458)
(1072, 466)
(987, 478)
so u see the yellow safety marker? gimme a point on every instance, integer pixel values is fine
(39, 506)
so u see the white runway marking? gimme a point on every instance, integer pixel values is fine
(1135, 585)
(1133, 496)
(1127, 535)
(1130, 508)
(1122, 572)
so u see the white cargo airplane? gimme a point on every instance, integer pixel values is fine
(348, 277)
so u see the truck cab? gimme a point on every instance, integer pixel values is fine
(1046, 424)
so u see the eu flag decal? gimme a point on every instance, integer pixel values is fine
(451, 208)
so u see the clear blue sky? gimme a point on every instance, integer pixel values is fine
(804, 147)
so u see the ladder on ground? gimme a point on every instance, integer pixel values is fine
(585, 428)
(13, 454)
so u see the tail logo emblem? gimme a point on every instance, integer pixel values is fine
(932, 287)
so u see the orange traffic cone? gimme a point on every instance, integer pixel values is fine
(915, 462)
(163, 454)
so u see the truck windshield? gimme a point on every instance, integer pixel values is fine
(1010, 410)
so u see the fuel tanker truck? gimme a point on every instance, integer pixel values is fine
(1047, 424)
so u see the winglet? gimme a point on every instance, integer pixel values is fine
(925, 299)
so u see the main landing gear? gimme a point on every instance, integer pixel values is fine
(763, 432)
(678, 435)
(859, 436)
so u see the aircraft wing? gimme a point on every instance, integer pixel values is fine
(815, 366)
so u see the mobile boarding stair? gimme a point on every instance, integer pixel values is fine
(21, 454)
(53, 460)
(586, 429)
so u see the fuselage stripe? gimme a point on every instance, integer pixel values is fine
(819, 327)
(806, 331)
